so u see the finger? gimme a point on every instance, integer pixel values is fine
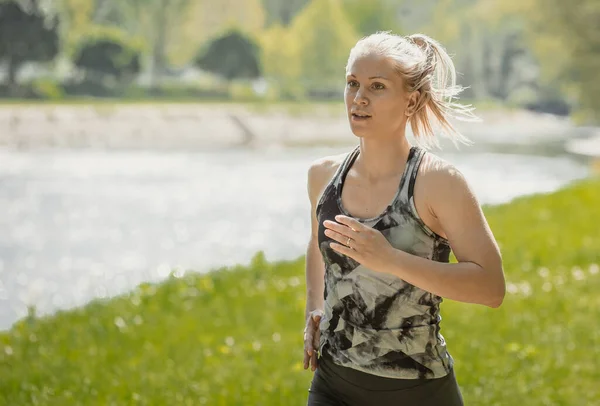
(339, 228)
(342, 249)
(313, 361)
(306, 359)
(334, 235)
(308, 343)
(315, 342)
(350, 222)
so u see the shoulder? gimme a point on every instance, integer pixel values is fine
(320, 173)
(437, 169)
(442, 182)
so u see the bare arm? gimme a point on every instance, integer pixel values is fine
(478, 277)
(318, 177)
(315, 268)
(314, 278)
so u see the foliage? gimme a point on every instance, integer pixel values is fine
(47, 89)
(281, 61)
(205, 20)
(25, 36)
(324, 37)
(520, 46)
(372, 16)
(233, 336)
(486, 40)
(108, 53)
(231, 55)
(307, 58)
(536, 54)
(569, 49)
(283, 12)
(157, 21)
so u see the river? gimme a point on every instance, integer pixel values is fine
(82, 224)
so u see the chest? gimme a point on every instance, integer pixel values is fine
(363, 199)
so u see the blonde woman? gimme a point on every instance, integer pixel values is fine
(385, 217)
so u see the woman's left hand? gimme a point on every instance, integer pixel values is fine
(365, 245)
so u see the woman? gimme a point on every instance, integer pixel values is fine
(384, 219)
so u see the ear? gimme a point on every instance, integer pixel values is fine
(413, 99)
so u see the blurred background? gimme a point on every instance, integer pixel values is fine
(143, 138)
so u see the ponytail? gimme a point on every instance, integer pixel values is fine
(435, 79)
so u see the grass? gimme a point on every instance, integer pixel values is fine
(233, 336)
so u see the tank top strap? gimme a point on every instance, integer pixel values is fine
(338, 177)
(407, 185)
(340, 174)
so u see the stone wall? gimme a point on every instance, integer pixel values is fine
(189, 126)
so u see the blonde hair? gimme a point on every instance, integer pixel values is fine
(424, 66)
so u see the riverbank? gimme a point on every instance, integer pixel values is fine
(233, 336)
(201, 125)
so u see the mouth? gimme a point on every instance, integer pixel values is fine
(358, 115)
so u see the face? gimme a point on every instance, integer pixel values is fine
(376, 101)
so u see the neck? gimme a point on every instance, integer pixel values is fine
(382, 158)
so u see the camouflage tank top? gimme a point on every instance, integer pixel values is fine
(375, 322)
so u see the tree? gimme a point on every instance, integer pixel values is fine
(26, 36)
(232, 56)
(560, 40)
(205, 20)
(372, 16)
(75, 19)
(281, 62)
(566, 38)
(283, 11)
(491, 55)
(324, 37)
(108, 54)
(157, 21)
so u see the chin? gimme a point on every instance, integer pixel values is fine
(360, 131)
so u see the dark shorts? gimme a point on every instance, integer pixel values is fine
(334, 385)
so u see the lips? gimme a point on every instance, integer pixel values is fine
(360, 114)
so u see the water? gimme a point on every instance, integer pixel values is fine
(82, 224)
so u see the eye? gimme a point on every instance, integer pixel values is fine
(352, 83)
(378, 86)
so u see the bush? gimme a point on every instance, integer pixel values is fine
(48, 89)
(232, 55)
(108, 57)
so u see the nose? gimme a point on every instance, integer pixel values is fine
(360, 99)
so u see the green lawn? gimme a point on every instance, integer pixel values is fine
(233, 337)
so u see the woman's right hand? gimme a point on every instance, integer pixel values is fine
(311, 339)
